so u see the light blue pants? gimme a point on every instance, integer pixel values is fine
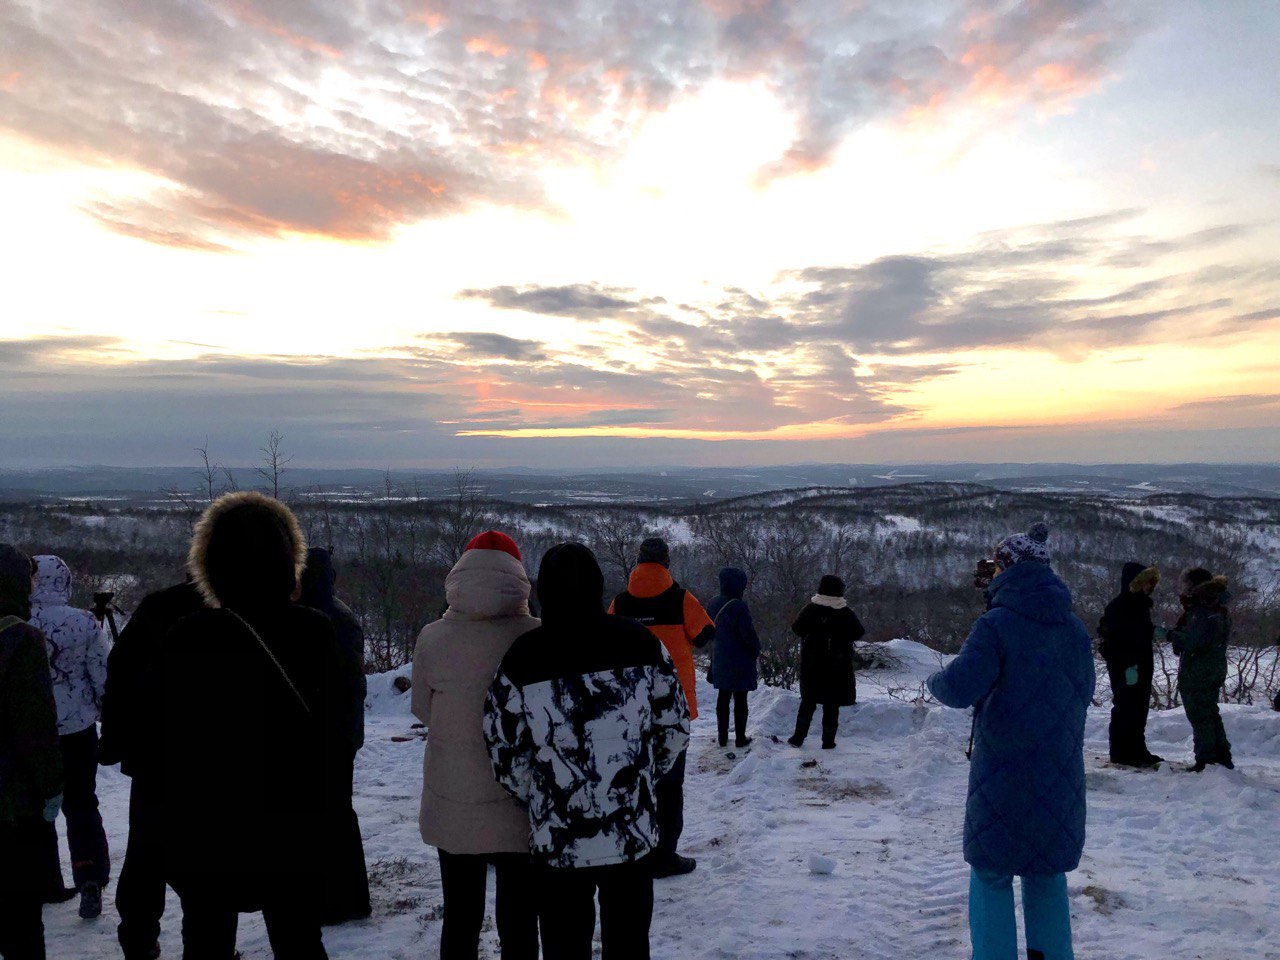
(994, 929)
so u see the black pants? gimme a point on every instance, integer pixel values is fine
(739, 700)
(289, 910)
(90, 859)
(140, 891)
(346, 888)
(830, 720)
(567, 911)
(1129, 708)
(669, 793)
(21, 901)
(463, 878)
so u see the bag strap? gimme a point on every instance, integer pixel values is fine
(272, 657)
(720, 612)
(9, 621)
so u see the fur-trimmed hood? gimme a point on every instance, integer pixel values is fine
(247, 550)
(1211, 593)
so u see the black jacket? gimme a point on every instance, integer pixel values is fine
(1126, 629)
(318, 581)
(827, 658)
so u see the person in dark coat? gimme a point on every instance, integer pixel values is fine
(1200, 640)
(828, 630)
(1127, 633)
(346, 895)
(734, 656)
(31, 777)
(1027, 667)
(253, 715)
(131, 740)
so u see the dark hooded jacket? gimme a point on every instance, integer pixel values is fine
(737, 645)
(252, 705)
(1126, 628)
(1201, 638)
(1029, 660)
(318, 580)
(828, 630)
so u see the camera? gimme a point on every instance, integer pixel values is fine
(984, 571)
(102, 603)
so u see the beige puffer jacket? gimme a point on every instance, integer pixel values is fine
(464, 811)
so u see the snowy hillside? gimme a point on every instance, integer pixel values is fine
(1176, 865)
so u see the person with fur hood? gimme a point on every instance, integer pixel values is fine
(78, 659)
(1127, 633)
(1027, 669)
(735, 654)
(466, 815)
(1200, 640)
(828, 630)
(584, 716)
(252, 708)
(31, 779)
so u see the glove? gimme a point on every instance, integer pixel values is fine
(1161, 634)
(1131, 677)
(52, 807)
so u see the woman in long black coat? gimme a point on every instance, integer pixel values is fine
(827, 629)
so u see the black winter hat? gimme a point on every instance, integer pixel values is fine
(570, 583)
(831, 586)
(655, 550)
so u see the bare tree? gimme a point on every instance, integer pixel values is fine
(208, 472)
(463, 516)
(273, 463)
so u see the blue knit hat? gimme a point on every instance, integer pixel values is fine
(1029, 547)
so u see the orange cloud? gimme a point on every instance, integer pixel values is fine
(493, 48)
(9, 81)
(247, 13)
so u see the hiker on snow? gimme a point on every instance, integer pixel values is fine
(78, 659)
(253, 707)
(30, 762)
(1028, 664)
(675, 617)
(466, 815)
(828, 630)
(1200, 639)
(734, 655)
(1127, 633)
(585, 715)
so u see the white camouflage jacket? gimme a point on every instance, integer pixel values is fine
(77, 650)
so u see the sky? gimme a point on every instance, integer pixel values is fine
(432, 233)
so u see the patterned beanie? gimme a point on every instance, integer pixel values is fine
(1029, 547)
(493, 540)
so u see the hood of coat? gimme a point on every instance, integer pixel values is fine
(318, 580)
(649, 580)
(247, 551)
(1212, 593)
(486, 584)
(1128, 573)
(52, 584)
(15, 582)
(570, 585)
(733, 582)
(1034, 591)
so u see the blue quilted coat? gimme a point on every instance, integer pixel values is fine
(1028, 666)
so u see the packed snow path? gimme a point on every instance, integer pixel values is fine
(1176, 864)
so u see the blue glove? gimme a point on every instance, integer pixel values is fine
(52, 807)
(1131, 677)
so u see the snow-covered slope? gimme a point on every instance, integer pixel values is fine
(1176, 865)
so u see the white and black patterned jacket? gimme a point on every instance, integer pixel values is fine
(580, 721)
(77, 649)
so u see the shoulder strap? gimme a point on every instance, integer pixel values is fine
(720, 612)
(9, 621)
(272, 657)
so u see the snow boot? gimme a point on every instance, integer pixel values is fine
(674, 866)
(153, 953)
(794, 742)
(743, 742)
(90, 901)
(828, 744)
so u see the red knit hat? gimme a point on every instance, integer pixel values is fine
(493, 540)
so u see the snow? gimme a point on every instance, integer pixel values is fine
(1176, 864)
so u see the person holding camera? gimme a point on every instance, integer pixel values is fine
(1127, 633)
(31, 780)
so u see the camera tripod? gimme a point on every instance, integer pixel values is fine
(105, 610)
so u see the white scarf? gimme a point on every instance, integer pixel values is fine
(835, 603)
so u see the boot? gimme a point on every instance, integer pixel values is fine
(90, 901)
(743, 742)
(675, 866)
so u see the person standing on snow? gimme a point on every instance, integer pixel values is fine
(586, 713)
(1029, 662)
(78, 659)
(466, 815)
(675, 617)
(30, 761)
(734, 655)
(1200, 640)
(346, 894)
(828, 630)
(1127, 633)
(252, 699)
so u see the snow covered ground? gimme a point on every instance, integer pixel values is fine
(1176, 866)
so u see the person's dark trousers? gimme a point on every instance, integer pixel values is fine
(86, 838)
(21, 901)
(739, 701)
(347, 876)
(1211, 744)
(1130, 706)
(669, 794)
(140, 891)
(209, 923)
(567, 911)
(830, 720)
(463, 878)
